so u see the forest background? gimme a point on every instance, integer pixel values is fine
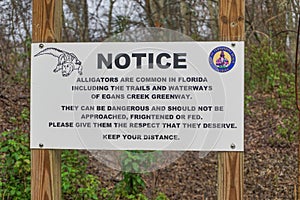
(271, 122)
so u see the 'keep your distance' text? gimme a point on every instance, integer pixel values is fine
(139, 137)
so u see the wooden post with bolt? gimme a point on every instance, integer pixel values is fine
(230, 173)
(46, 164)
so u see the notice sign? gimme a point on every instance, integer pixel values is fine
(143, 96)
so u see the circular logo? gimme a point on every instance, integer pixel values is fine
(222, 59)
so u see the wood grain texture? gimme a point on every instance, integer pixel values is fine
(231, 20)
(231, 164)
(45, 174)
(230, 176)
(46, 20)
(46, 164)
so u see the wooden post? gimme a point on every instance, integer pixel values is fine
(230, 173)
(46, 164)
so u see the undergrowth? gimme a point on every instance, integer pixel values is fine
(76, 182)
(134, 164)
(268, 73)
(15, 167)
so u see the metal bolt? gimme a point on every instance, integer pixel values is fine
(233, 44)
(232, 146)
(41, 145)
(41, 46)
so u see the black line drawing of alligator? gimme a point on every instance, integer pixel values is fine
(67, 62)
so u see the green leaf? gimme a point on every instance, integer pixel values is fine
(135, 167)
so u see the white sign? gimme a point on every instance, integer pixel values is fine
(142, 96)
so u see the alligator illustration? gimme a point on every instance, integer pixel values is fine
(67, 62)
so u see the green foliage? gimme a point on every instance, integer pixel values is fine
(161, 196)
(265, 68)
(288, 129)
(25, 115)
(15, 167)
(268, 73)
(247, 100)
(15, 160)
(138, 161)
(76, 184)
(132, 186)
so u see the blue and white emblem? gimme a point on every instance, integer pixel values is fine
(222, 59)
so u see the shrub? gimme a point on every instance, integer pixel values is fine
(15, 167)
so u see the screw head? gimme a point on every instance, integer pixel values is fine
(41, 46)
(233, 44)
(41, 145)
(232, 146)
